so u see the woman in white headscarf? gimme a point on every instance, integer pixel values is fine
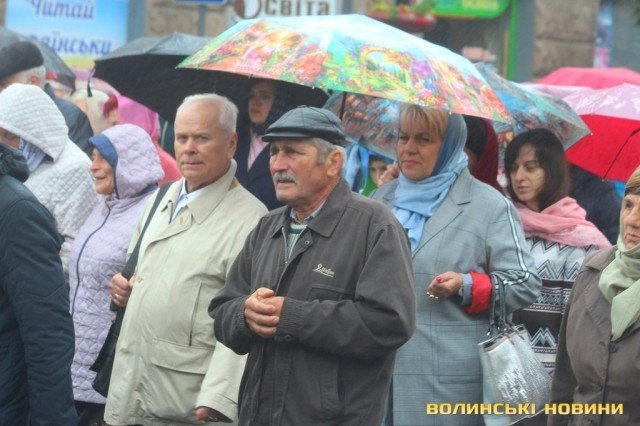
(463, 235)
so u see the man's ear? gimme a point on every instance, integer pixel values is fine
(334, 162)
(35, 80)
(233, 144)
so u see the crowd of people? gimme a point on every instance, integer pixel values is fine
(283, 280)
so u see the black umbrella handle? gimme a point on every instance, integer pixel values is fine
(343, 104)
(89, 94)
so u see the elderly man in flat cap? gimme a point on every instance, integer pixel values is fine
(22, 62)
(322, 293)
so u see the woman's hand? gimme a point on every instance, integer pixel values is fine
(445, 285)
(392, 172)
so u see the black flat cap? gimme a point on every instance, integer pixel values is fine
(307, 122)
(19, 56)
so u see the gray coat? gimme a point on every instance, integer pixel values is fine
(475, 228)
(348, 306)
(590, 368)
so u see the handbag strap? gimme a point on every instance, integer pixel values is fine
(132, 262)
(498, 320)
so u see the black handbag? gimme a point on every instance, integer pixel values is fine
(103, 365)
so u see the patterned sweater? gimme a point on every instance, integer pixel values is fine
(557, 265)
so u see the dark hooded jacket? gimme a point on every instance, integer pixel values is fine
(36, 332)
(599, 198)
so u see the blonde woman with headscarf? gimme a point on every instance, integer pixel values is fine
(598, 360)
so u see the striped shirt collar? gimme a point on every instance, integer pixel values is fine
(294, 219)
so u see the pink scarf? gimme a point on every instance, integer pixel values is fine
(563, 222)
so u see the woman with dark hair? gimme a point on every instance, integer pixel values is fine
(267, 102)
(598, 355)
(555, 227)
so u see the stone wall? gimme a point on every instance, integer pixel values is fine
(565, 34)
(165, 16)
(626, 36)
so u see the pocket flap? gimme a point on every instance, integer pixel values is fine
(325, 292)
(177, 357)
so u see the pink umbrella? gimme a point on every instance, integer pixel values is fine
(622, 101)
(597, 78)
(555, 90)
(612, 150)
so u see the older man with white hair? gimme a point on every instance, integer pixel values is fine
(169, 368)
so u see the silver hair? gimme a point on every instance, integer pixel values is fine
(40, 72)
(228, 110)
(325, 148)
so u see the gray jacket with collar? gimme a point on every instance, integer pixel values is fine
(474, 229)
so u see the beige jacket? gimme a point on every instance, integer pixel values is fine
(167, 359)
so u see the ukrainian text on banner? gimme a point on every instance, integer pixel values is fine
(78, 30)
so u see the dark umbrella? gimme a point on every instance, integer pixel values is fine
(145, 71)
(52, 62)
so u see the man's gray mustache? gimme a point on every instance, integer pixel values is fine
(284, 177)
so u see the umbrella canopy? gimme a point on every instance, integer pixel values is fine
(52, 62)
(612, 150)
(352, 53)
(368, 121)
(145, 71)
(531, 110)
(596, 78)
(554, 90)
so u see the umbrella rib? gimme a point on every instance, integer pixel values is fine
(620, 151)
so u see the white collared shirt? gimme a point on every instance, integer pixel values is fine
(185, 198)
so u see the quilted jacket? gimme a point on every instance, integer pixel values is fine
(99, 251)
(62, 182)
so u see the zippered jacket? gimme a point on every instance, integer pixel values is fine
(99, 251)
(349, 305)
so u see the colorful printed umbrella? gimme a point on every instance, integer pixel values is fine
(145, 71)
(368, 121)
(530, 110)
(612, 150)
(352, 53)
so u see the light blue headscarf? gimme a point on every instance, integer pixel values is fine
(417, 201)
